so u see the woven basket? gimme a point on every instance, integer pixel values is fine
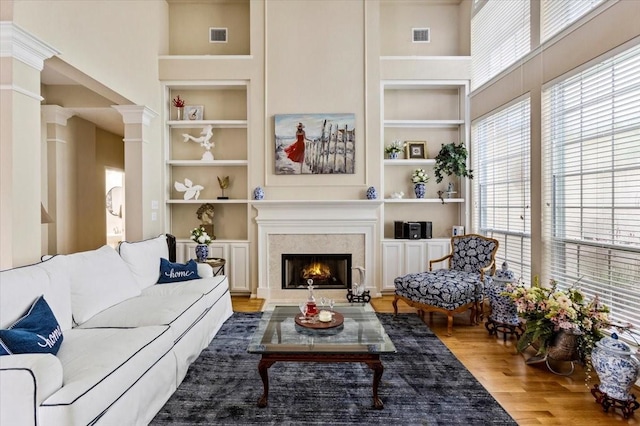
(564, 347)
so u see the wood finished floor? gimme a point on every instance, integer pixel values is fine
(532, 395)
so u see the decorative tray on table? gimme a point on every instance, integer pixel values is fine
(315, 323)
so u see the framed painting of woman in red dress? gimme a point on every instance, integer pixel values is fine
(315, 144)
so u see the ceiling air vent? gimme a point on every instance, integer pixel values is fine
(217, 35)
(421, 35)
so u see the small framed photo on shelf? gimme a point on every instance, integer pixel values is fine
(193, 112)
(416, 149)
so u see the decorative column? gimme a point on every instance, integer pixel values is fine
(21, 61)
(57, 188)
(137, 119)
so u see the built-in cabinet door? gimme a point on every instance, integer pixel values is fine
(238, 269)
(392, 263)
(437, 249)
(415, 259)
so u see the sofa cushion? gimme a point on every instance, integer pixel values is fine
(99, 279)
(100, 365)
(37, 331)
(175, 272)
(178, 311)
(143, 259)
(19, 287)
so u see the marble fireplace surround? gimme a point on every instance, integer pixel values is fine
(314, 227)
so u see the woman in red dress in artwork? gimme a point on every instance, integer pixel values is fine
(295, 151)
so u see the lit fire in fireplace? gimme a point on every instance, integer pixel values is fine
(316, 271)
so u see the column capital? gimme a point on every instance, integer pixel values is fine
(19, 44)
(56, 114)
(136, 114)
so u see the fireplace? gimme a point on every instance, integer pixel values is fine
(328, 271)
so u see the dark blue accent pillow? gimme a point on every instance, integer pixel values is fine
(175, 272)
(37, 331)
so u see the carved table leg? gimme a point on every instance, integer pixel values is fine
(263, 368)
(378, 369)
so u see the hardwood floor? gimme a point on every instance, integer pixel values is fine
(531, 394)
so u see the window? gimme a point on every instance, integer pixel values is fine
(591, 131)
(501, 147)
(556, 15)
(500, 35)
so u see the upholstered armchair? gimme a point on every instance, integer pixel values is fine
(456, 289)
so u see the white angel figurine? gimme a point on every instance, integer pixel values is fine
(190, 190)
(204, 140)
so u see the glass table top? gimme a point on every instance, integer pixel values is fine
(361, 332)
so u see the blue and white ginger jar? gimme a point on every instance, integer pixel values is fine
(202, 252)
(419, 189)
(617, 369)
(258, 193)
(372, 194)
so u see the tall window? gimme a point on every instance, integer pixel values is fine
(501, 147)
(592, 173)
(499, 36)
(556, 15)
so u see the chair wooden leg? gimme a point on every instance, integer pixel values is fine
(449, 324)
(395, 306)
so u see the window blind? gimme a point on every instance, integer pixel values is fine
(500, 35)
(556, 15)
(501, 144)
(591, 131)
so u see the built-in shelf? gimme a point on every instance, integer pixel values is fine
(221, 124)
(200, 163)
(416, 124)
(423, 200)
(213, 201)
(410, 162)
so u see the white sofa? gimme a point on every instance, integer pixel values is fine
(127, 341)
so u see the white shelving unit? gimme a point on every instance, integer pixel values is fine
(225, 110)
(436, 112)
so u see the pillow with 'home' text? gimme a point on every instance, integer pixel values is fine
(175, 272)
(37, 331)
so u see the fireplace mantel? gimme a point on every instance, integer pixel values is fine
(313, 217)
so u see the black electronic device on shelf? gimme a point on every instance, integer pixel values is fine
(412, 230)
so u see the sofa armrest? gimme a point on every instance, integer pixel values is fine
(25, 381)
(205, 270)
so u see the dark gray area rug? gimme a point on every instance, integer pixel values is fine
(423, 384)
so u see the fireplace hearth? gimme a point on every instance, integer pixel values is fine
(328, 271)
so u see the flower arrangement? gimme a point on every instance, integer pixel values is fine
(548, 311)
(178, 102)
(419, 176)
(200, 236)
(395, 146)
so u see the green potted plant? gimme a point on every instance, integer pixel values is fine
(452, 160)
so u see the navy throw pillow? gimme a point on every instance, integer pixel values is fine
(175, 272)
(37, 331)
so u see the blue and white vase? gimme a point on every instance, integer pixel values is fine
(258, 193)
(202, 252)
(393, 156)
(419, 188)
(617, 369)
(372, 194)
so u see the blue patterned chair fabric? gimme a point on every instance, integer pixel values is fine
(457, 289)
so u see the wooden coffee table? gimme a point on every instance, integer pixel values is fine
(361, 338)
